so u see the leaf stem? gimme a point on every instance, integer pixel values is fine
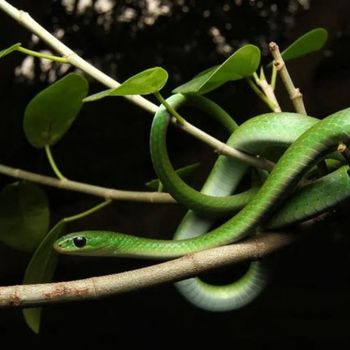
(169, 108)
(42, 55)
(53, 163)
(261, 95)
(267, 89)
(273, 77)
(87, 212)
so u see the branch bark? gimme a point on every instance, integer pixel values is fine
(294, 93)
(169, 271)
(98, 191)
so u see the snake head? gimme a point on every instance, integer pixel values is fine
(90, 243)
(107, 243)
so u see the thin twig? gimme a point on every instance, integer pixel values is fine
(98, 191)
(184, 267)
(294, 93)
(261, 95)
(222, 148)
(268, 91)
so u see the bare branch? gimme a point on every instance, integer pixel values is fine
(106, 193)
(173, 270)
(294, 93)
(223, 148)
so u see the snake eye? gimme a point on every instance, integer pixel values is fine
(79, 242)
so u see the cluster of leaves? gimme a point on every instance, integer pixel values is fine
(24, 207)
(241, 64)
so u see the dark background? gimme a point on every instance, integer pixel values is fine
(308, 301)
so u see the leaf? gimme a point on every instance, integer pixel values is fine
(184, 173)
(24, 216)
(41, 269)
(199, 80)
(51, 112)
(241, 64)
(9, 50)
(312, 41)
(146, 82)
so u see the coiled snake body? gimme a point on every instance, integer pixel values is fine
(310, 141)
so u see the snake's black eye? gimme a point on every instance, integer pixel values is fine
(79, 242)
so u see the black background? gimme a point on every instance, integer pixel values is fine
(308, 301)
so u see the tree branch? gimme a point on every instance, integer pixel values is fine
(223, 148)
(173, 270)
(294, 93)
(98, 191)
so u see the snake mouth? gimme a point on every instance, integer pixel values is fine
(57, 246)
(70, 244)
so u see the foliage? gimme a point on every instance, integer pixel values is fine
(50, 114)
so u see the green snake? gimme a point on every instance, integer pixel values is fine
(310, 141)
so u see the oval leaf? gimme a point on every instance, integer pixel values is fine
(199, 80)
(24, 216)
(147, 82)
(41, 269)
(50, 113)
(10, 49)
(241, 64)
(309, 42)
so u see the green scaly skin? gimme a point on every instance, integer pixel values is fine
(223, 180)
(319, 196)
(186, 195)
(256, 136)
(305, 152)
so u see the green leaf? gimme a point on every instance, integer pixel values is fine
(241, 64)
(184, 173)
(24, 216)
(9, 50)
(51, 112)
(199, 80)
(146, 82)
(41, 269)
(308, 43)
